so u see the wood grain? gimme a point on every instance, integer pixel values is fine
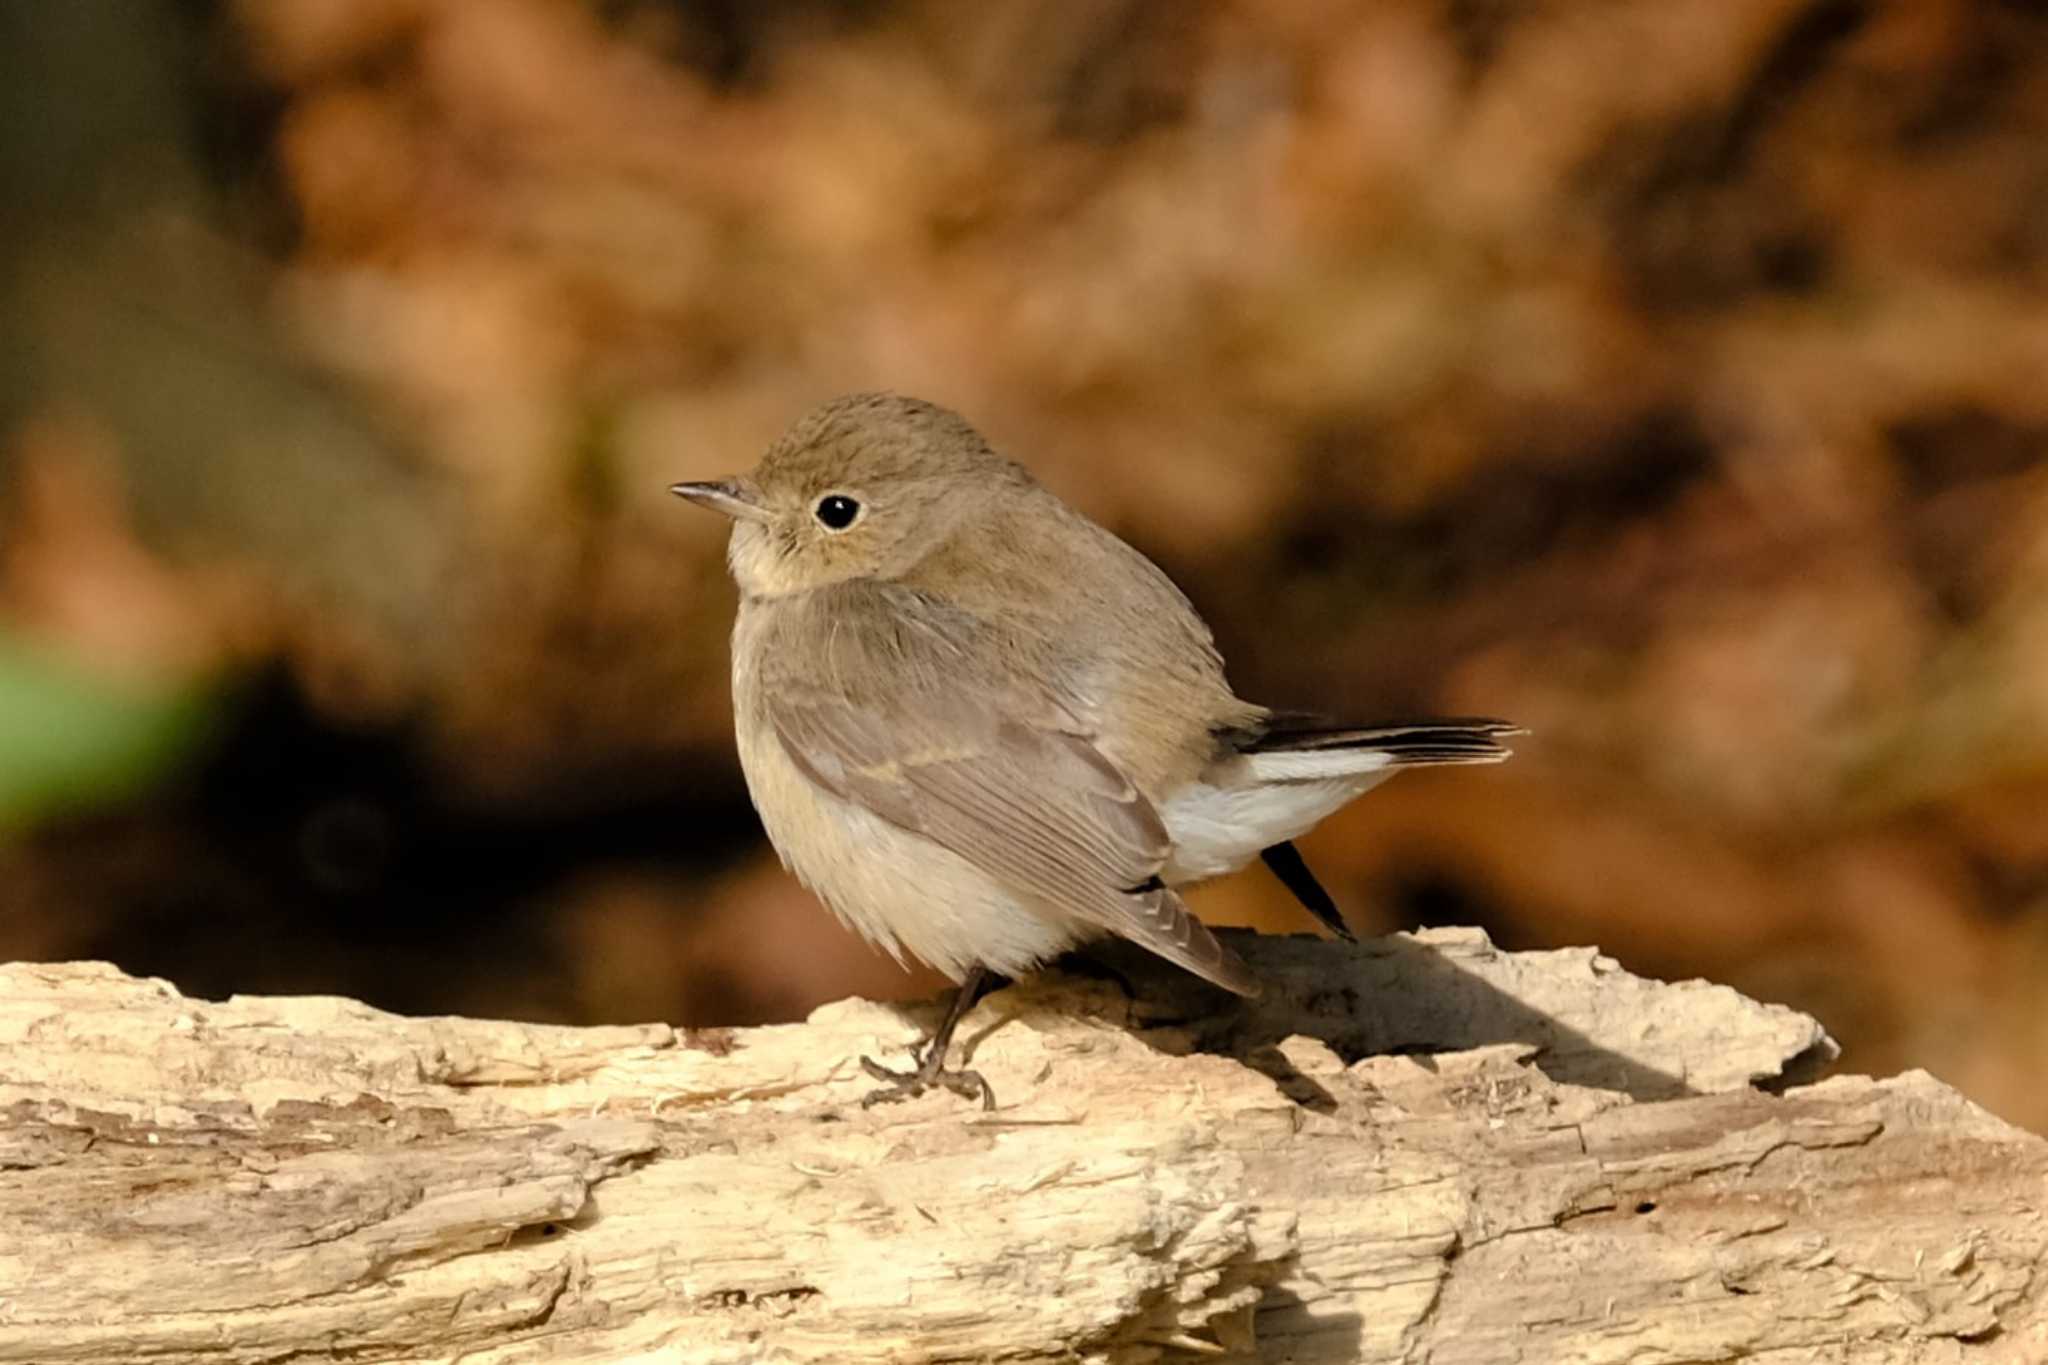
(1419, 1149)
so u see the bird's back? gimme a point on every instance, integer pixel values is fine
(1116, 635)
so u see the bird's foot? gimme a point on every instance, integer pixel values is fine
(930, 1071)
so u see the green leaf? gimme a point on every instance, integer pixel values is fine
(72, 738)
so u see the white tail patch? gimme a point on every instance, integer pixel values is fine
(1240, 807)
(1315, 765)
(1249, 801)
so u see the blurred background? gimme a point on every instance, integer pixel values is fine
(1671, 379)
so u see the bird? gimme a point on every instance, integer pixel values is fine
(984, 730)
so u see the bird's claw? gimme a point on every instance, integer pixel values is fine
(904, 1085)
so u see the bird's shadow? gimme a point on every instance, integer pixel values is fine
(1391, 996)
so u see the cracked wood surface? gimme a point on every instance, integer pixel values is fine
(1419, 1149)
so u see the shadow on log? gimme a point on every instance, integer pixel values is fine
(1415, 1149)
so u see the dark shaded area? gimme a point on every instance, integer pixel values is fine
(1391, 996)
(306, 857)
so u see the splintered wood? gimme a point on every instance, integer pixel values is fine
(1420, 1149)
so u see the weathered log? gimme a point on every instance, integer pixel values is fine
(1416, 1149)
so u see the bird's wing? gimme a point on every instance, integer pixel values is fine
(934, 728)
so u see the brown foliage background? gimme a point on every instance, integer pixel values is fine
(1672, 379)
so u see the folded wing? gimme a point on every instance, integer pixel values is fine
(936, 728)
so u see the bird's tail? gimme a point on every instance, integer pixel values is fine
(1294, 754)
(1409, 744)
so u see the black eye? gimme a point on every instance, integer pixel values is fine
(837, 511)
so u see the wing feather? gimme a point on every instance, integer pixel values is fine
(931, 730)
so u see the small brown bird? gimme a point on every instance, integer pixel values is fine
(984, 730)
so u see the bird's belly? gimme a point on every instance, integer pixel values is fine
(1218, 826)
(895, 889)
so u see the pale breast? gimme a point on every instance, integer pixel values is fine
(895, 889)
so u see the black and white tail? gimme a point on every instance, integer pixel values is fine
(1273, 783)
(1292, 750)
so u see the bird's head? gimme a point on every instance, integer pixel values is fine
(862, 487)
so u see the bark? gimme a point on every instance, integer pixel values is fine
(1421, 1149)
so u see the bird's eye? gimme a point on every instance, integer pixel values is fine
(836, 511)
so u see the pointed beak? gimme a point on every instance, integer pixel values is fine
(729, 496)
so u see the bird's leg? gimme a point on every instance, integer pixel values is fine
(931, 1065)
(1292, 870)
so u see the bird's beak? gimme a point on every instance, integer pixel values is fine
(729, 496)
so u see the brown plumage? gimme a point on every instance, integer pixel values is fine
(982, 728)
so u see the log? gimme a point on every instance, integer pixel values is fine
(1418, 1149)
